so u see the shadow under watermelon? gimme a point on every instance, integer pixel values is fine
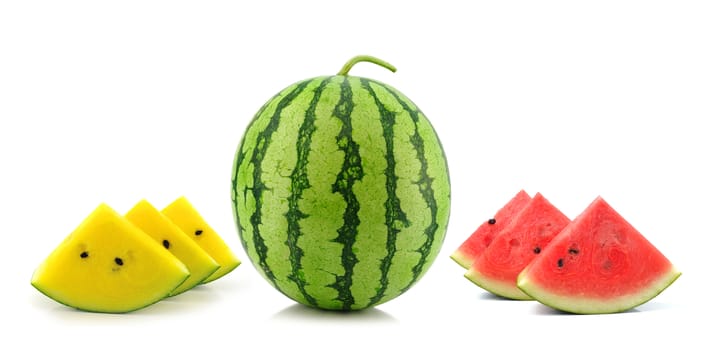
(298, 312)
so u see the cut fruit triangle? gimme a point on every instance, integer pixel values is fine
(598, 264)
(475, 245)
(515, 246)
(108, 265)
(186, 217)
(165, 233)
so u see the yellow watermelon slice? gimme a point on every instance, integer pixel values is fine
(186, 217)
(108, 265)
(200, 264)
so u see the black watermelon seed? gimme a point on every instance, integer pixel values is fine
(198, 232)
(573, 251)
(165, 243)
(491, 221)
(560, 263)
(118, 261)
(537, 250)
(84, 255)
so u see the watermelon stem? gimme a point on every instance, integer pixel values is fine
(365, 58)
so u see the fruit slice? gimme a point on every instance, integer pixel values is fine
(598, 264)
(183, 214)
(534, 227)
(200, 264)
(108, 265)
(476, 244)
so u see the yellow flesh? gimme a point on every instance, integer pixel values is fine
(183, 214)
(200, 264)
(98, 282)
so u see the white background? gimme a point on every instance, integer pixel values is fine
(117, 101)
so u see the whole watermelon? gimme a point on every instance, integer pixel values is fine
(341, 191)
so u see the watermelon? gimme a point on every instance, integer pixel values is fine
(597, 264)
(109, 265)
(512, 249)
(478, 241)
(340, 191)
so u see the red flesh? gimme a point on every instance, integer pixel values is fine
(481, 238)
(602, 255)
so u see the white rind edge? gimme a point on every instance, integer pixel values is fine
(585, 305)
(497, 287)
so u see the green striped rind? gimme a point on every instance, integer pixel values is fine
(341, 192)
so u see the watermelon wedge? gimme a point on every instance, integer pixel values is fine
(478, 241)
(109, 265)
(512, 249)
(597, 264)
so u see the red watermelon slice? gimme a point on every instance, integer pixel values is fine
(473, 247)
(512, 249)
(598, 264)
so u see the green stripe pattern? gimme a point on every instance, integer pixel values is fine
(341, 192)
